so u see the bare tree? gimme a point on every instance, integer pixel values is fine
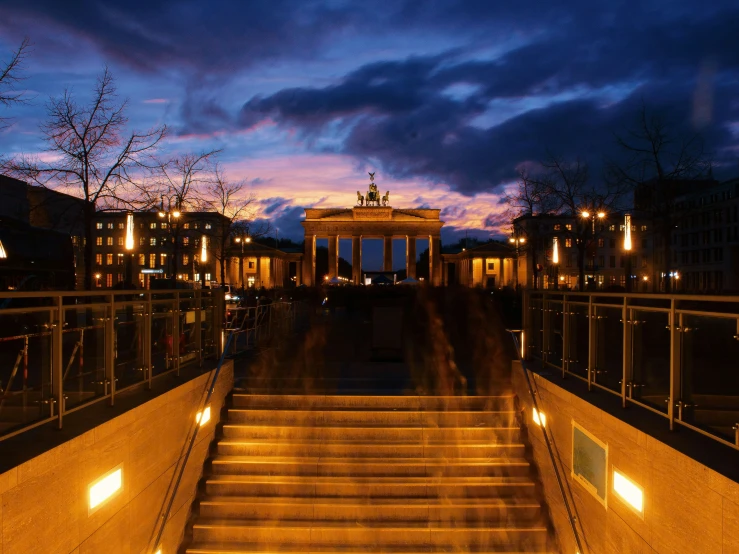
(229, 199)
(659, 161)
(93, 154)
(10, 75)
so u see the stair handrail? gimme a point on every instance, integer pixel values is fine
(190, 442)
(570, 516)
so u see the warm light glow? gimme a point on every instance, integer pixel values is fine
(677, 275)
(238, 239)
(203, 417)
(105, 487)
(248, 239)
(645, 278)
(601, 215)
(97, 276)
(628, 491)
(561, 278)
(3, 253)
(585, 214)
(162, 214)
(176, 213)
(159, 551)
(522, 240)
(539, 418)
(555, 251)
(129, 231)
(511, 240)
(627, 232)
(523, 343)
(204, 249)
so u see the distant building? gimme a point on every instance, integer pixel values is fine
(489, 265)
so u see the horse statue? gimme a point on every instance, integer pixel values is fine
(386, 198)
(360, 199)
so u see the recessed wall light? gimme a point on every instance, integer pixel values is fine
(203, 417)
(628, 491)
(539, 418)
(104, 488)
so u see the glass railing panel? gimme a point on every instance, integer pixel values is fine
(207, 327)
(556, 334)
(536, 319)
(577, 339)
(83, 355)
(162, 339)
(710, 373)
(189, 328)
(651, 358)
(609, 347)
(130, 344)
(25, 369)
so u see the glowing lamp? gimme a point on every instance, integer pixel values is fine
(601, 215)
(176, 214)
(627, 232)
(555, 251)
(511, 240)
(3, 253)
(238, 239)
(203, 249)
(628, 491)
(522, 240)
(203, 417)
(585, 214)
(248, 239)
(162, 214)
(104, 488)
(539, 418)
(129, 231)
(645, 278)
(97, 276)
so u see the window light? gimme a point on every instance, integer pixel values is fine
(105, 487)
(203, 417)
(539, 418)
(628, 491)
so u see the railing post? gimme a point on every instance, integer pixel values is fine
(591, 340)
(199, 325)
(628, 329)
(546, 326)
(148, 318)
(57, 377)
(674, 364)
(565, 336)
(218, 317)
(110, 347)
(176, 333)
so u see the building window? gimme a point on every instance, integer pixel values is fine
(644, 243)
(194, 225)
(185, 225)
(601, 243)
(601, 261)
(99, 259)
(568, 243)
(152, 225)
(207, 276)
(109, 259)
(718, 255)
(491, 266)
(109, 241)
(612, 261)
(142, 260)
(120, 277)
(208, 226)
(644, 261)
(185, 241)
(98, 241)
(557, 227)
(152, 260)
(643, 227)
(251, 265)
(164, 225)
(120, 241)
(568, 226)
(612, 227)
(162, 260)
(152, 241)
(121, 225)
(98, 225)
(706, 255)
(110, 225)
(185, 259)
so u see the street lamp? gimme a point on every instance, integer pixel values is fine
(128, 244)
(242, 238)
(517, 241)
(555, 261)
(592, 216)
(171, 213)
(97, 279)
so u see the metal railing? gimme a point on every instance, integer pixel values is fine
(675, 355)
(254, 324)
(63, 351)
(548, 441)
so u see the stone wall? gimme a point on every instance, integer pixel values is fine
(688, 508)
(43, 502)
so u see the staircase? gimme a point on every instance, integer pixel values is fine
(403, 474)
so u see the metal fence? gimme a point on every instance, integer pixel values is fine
(256, 324)
(675, 355)
(60, 352)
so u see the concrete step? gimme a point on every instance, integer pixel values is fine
(416, 434)
(365, 402)
(382, 509)
(374, 418)
(355, 449)
(370, 487)
(308, 533)
(256, 548)
(366, 467)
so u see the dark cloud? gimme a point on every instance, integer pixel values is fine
(271, 205)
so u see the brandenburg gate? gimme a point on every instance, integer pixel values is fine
(372, 217)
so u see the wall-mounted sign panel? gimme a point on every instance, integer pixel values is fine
(150, 271)
(590, 462)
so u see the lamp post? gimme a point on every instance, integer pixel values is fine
(555, 262)
(128, 245)
(242, 238)
(592, 216)
(627, 249)
(517, 242)
(171, 214)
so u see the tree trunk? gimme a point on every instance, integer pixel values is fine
(89, 221)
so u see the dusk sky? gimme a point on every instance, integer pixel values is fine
(443, 99)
